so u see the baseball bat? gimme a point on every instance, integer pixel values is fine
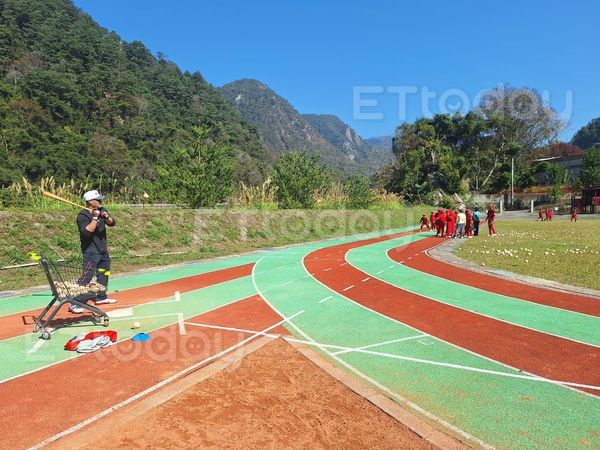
(64, 200)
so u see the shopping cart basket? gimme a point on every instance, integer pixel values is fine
(69, 284)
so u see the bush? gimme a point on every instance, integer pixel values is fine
(299, 178)
(360, 193)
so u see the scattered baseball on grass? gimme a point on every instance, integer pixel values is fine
(136, 325)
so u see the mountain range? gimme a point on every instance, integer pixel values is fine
(282, 128)
(77, 99)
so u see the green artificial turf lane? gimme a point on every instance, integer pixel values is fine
(504, 412)
(373, 258)
(16, 360)
(16, 304)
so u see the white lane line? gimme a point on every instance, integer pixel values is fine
(391, 267)
(181, 324)
(79, 355)
(400, 262)
(144, 317)
(349, 287)
(343, 264)
(328, 269)
(122, 312)
(378, 344)
(238, 330)
(36, 346)
(380, 272)
(410, 257)
(177, 296)
(366, 279)
(287, 282)
(325, 299)
(159, 385)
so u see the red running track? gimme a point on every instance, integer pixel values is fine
(423, 262)
(532, 351)
(22, 323)
(35, 407)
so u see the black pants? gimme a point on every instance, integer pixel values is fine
(476, 228)
(97, 264)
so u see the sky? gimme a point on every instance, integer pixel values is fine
(377, 64)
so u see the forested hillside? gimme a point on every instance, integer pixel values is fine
(588, 136)
(347, 141)
(281, 127)
(76, 99)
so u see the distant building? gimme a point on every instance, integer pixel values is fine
(573, 163)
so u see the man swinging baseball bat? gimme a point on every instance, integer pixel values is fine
(92, 222)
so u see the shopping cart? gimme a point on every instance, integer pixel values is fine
(69, 284)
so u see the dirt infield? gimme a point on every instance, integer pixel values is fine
(275, 398)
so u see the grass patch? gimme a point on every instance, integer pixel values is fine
(558, 250)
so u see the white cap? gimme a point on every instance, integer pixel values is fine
(93, 195)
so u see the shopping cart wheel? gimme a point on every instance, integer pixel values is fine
(36, 328)
(46, 335)
(105, 321)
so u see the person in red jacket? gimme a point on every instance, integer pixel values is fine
(432, 220)
(469, 224)
(540, 215)
(490, 217)
(548, 214)
(424, 223)
(450, 221)
(574, 215)
(440, 222)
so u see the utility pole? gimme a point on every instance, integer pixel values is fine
(512, 183)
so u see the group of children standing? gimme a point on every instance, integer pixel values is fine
(545, 214)
(458, 222)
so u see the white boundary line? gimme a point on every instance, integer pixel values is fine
(78, 355)
(379, 344)
(439, 339)
(480, 313)
(36, 346)
(393, 394)
(158, 385)
(483, 290)
(343, 350)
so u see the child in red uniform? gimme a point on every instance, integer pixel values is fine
(424, 223)
(440, 222)
(490, 217)
(450, 221)
(574, 215)
(540, 215)
(432, 220)
(548, 214)
(469, 225)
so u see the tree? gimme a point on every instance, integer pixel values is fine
(359, 191)
(590, 174)
(198, 173)
(588, 136)
(515, 116)
(298, 178)
(559, 177)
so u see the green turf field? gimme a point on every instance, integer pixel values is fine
(558, 250)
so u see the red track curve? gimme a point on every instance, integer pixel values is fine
(22, 323)
(532, 351)
(425, 263)
(44, 403)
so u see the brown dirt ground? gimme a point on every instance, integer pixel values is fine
(274, 398)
